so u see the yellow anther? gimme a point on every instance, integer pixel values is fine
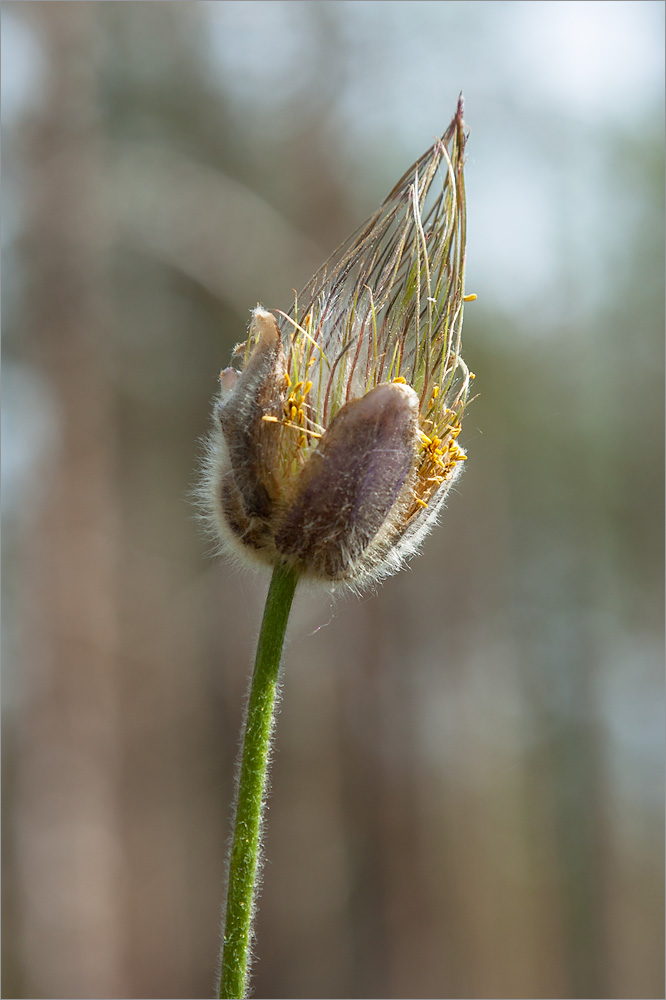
(287, 379)
(420, 502)
(297, 386)
(400, 380)
(269, 419)
(472, 375)
(469, 298)
(306, 388)
(435, 391)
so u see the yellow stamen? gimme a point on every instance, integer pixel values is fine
(286, 423)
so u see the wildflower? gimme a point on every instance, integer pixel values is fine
(334, 448)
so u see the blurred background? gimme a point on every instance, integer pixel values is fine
(468, 784)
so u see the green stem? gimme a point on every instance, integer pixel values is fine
(251, 793)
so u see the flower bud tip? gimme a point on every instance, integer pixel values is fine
(264, 327)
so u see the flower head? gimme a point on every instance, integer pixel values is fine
(335, 446)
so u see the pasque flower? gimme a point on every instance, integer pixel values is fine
(336, 444)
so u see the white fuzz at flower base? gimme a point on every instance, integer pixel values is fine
(335, 446)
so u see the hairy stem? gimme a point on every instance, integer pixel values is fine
(244, 860)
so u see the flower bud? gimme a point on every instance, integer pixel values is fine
(335, 446)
